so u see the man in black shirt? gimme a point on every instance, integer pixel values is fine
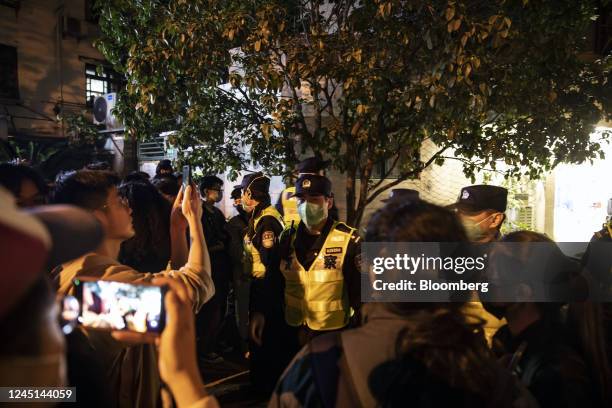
(236, 228)
(209, 320)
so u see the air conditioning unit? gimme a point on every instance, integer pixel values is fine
(103, 111)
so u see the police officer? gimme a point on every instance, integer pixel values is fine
(287, 203)
(481, 209)
(605, 234)
(319, 263)
(267, 359)
(402, 195)
(597, 260)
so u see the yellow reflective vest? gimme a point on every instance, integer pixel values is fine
(318, 297)
(252, 257)
(289, 203)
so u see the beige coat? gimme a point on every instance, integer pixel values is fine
(131, 371)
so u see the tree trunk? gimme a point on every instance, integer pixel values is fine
(351, 174)
(350, 196)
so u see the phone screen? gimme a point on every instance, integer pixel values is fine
(186, 175)
(121, 306)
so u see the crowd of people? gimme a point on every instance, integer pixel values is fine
(281, 284)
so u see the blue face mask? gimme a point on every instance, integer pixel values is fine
(312, 214)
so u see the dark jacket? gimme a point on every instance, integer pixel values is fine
(549, 365)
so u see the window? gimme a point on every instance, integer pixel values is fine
(100, 80)
(9, 84)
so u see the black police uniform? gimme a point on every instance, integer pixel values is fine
(308, 246)
(260, 302)
(268, 361)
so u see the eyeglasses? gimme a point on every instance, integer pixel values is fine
(122, 202)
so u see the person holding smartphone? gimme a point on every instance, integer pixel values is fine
(130, 369)
(176, 346)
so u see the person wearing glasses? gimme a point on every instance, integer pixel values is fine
(209, 320)
(131, 370)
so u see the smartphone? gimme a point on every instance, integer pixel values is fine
(186, 176)
(110, 305)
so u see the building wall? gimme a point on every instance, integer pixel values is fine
(50, 68)
(437, 184)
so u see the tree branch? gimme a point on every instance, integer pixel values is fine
(405, 176)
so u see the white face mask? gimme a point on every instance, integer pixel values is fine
(473, 230)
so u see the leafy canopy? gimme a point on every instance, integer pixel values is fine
(362, 83)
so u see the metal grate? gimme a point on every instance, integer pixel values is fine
(525, 216)
(152, 150)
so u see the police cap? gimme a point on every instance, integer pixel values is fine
(482, 197)
(255, 182)
(402, 194)
(313, 184)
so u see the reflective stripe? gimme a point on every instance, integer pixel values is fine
(317, 296)
(325, 276)
(319, 306)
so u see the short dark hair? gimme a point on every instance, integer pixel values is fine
(137, 176)
(12, 175)
(84, 188)
(98, 165)
(236, 193)
(164, 164)
(414, 221)
(209, 182)
(167, 184)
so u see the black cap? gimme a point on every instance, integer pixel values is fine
(313, 184)
(236, 193)
(255, 182)
(482, 197)
(312, 165)
(402, 194)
